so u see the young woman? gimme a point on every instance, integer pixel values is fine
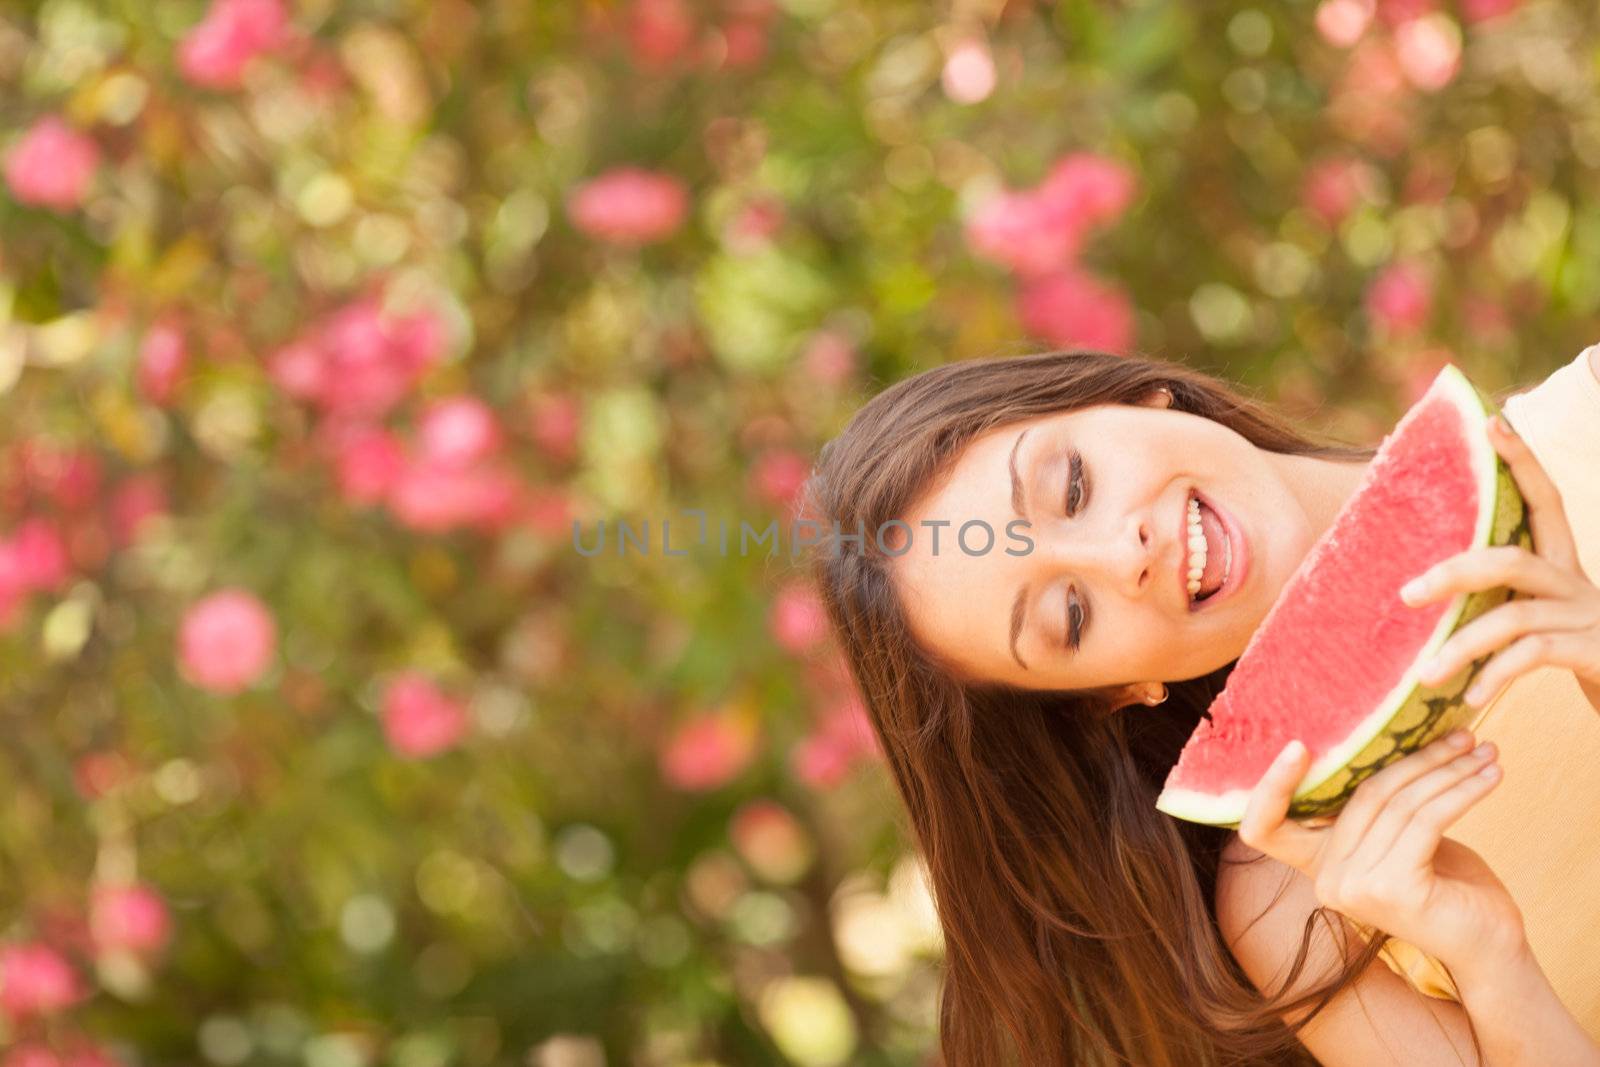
(1031, 691)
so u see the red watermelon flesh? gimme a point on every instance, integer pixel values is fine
(1332, 663)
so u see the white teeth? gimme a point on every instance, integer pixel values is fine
(1197, 548)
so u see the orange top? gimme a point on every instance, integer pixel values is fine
(1539, 831)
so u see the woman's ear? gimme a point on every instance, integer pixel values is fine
(1136, 697)
(1159, 397)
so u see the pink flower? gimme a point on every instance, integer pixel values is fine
(659, 32)
(1483, 10)
(369, 461)
(820, 762)
(1333, 186)
(829, 357)
(1342, 22)
(1429, 51)
(433, 497)
(52, 165)
(14, 585)
(756, 223)
(31, 1055)
(1072, 309)
(320, 76)
(374, 358)
(968, 76)
(556, 421)
(1400, 298)
(419, 720)
(80, 1053)
(360, 361)
(708, 752)
(778, 476)
(630, 205)
(1372, 101)
(744, 42)
(137, 498)
(457, 431)
(796, 619)
(1017, 230)
(35, 979)
(1395, 13)
(226, 641)
(85, 1053)
(67, 475)
(162, 358)
(1041, 230)
(131, 917)
(848, 724)
(1084, 189)
(299, 370)
(97, 773)
(41, 554)
(217, 50)
(842, 739)
(549, 512)
(770, 839)
(77, 482)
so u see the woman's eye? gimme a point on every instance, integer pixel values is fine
(1074, 622)
(1074, 483)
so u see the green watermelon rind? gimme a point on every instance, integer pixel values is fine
(1413, 714)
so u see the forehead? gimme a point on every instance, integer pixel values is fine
(951, 596)
(987, 455)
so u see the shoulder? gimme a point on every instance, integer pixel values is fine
(1263, 908)
(1264, 912)
(1258, 898)
(1571, 383)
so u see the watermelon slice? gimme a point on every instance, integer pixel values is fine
(1334, 661)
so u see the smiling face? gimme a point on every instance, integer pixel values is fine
(1104, 492)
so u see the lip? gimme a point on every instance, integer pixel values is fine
(1239, 566)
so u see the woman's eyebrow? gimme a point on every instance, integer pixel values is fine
(1019, 606)
(1018, 502)
(1019, 610)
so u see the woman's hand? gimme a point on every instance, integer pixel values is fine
(1558, 625)
(1384, 861)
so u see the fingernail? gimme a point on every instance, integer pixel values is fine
(1412, 589)
(1458, 739)
(1291, 752)
(1429, 671)
(1476, 693)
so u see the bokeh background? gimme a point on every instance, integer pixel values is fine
(322, 322)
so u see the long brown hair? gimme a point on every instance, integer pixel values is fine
(1078, 920)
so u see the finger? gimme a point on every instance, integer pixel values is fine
(1373, 794)
(1264, 825)
(1575, 650)
(1499, 627)
(1485, 568)
(1391, 822)
(1420, 839)
(1552, 534)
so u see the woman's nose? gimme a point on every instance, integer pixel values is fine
(1124, 561)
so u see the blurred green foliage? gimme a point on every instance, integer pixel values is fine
(585, 879)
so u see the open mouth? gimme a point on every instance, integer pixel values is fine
(1208, 556)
